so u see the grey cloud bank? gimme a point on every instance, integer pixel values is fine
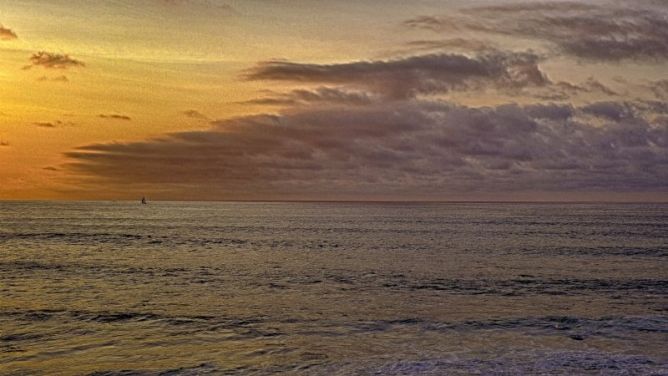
(420, 147)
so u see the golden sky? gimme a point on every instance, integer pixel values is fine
(207, 99)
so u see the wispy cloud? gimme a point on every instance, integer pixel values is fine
(115, 117)
(53, 79)
(451, 44)
(45, 124)
(53, 61)
(194, 114)
(660, 89)
(212, 4)
(54, 124)
(323, 95)
(7, 34)
(565, 90)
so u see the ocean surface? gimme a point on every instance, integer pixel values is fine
(118, 288)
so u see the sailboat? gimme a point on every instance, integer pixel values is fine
(143, 201)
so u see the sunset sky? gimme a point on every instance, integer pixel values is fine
(334, 100)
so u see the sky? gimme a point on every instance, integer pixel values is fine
(334, 100)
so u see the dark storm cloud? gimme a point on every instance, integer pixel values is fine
(53, 61)
(7, 34)
(598, 33)
(115, 117)
(410, 76)
(326, 95)
(413, 146)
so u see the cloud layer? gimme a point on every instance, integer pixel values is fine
(421, 147)
(600, 33)
(410, 76)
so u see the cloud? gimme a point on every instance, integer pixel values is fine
(418, 147)
(590, 32)
(4, 143)
(383, 128)
(651, 107)
(610, 110)
(564, 90)
(53, 79)
(194, 114)
(414, 75)
(7, 34)
(622, 111)
(458, 44)
(115, 117)
(513, 74)
(660, 89)
(45, 124)
(449, 45)
(53, 61)
(529, 7)
(326, 95)
(207, 3)
(53, 124)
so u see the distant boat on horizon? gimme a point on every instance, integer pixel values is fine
(143, 201)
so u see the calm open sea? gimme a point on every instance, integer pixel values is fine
(199, 288)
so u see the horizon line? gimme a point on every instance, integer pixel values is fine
(359, 201)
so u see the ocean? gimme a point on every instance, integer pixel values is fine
(219, 288)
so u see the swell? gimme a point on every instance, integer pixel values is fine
(533, 362)
(286, 329)
(268, 326)
(520, 285)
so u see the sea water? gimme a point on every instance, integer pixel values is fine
(208, 288)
